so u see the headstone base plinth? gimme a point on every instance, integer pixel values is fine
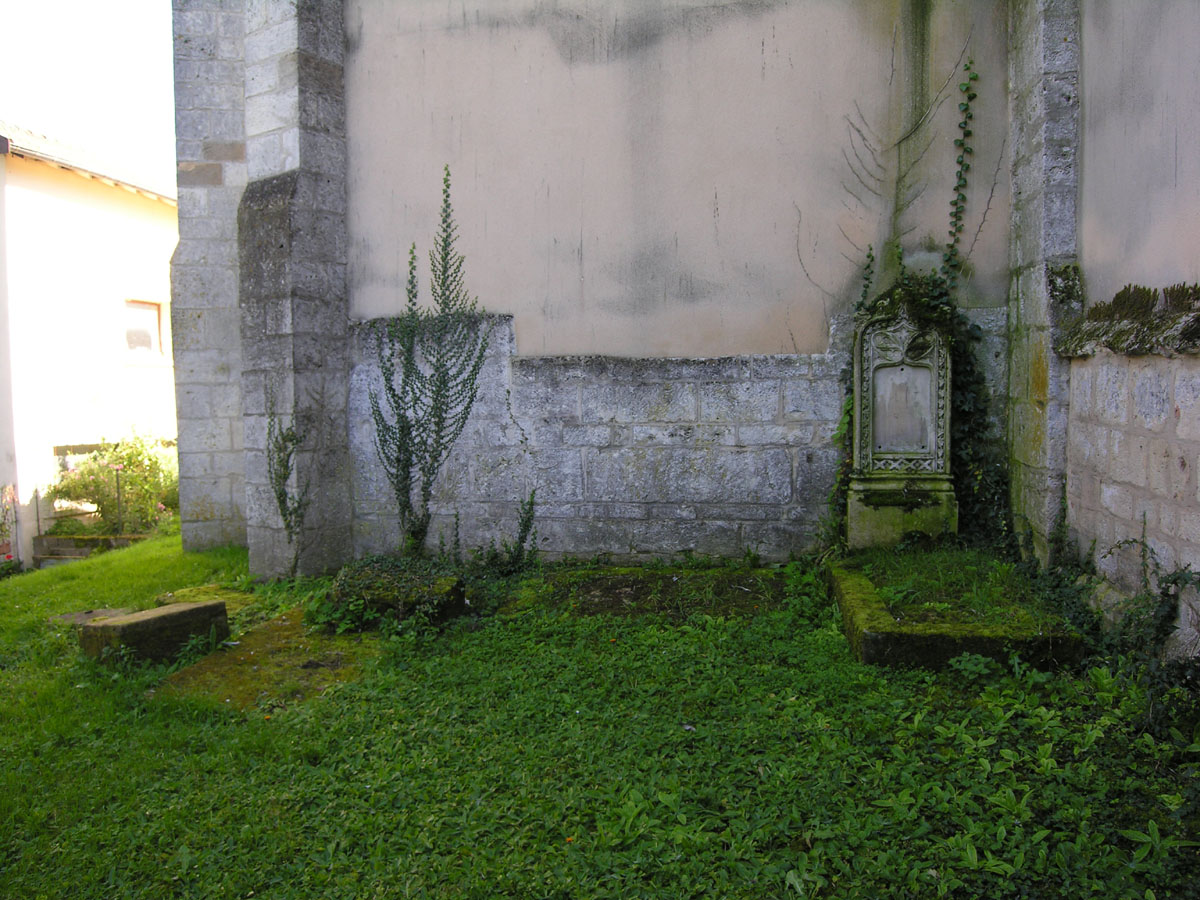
(882, 510)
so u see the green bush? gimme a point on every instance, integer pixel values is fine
(9, 566)
(378, 589)
(72, 527)
(134, 484)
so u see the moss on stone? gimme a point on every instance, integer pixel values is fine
(235, 601)
(675, 592)
(276, 664)
(1065, 286)
(905, 499)
(875, 636)
(884, 516)
(158, 633)
(1137, 321)
(396, 587)
(527, 594)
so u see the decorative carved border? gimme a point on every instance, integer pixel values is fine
(874, 345)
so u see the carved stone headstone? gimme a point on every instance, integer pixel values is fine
(901, 475)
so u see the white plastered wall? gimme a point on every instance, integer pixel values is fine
(1140, 172)
(76, 250)
(661, 177)
(8, 453)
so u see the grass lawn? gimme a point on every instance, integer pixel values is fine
(558, 755)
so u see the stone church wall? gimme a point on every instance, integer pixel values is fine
(210, 137)
(1044, 133)
(1132, 439)
(634, 457)
(672, 201)
(665, 207)
(1133, 457)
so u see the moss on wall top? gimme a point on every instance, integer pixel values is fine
(1137, 322)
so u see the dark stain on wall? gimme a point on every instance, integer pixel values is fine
(591, 36)
(652, 278)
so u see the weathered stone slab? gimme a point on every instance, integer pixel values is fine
(87, 615)
(876, 638)
(156, 634)
(901, 479)
(903, 404)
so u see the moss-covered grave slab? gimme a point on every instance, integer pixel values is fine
(156, 634)
(235, 601)
(673, 592)
(277, 663)
(877, 638)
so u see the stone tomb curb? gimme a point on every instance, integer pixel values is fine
(157, 634)
(878, 639)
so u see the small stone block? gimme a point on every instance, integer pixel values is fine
(156, 634)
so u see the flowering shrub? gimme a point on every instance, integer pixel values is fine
(9, 566)
(134, 484)
(8, 512)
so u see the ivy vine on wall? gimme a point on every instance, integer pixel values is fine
(430, 360)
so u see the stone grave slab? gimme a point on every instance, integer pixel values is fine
(156, 634)
(876, 638)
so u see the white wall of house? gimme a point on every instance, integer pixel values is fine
(8, 454)
(76, 251)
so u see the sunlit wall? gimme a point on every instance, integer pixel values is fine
(86, 289)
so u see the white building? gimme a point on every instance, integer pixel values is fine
(85, 345)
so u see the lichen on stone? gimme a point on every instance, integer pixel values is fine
(1065, 286)
(875, 636)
